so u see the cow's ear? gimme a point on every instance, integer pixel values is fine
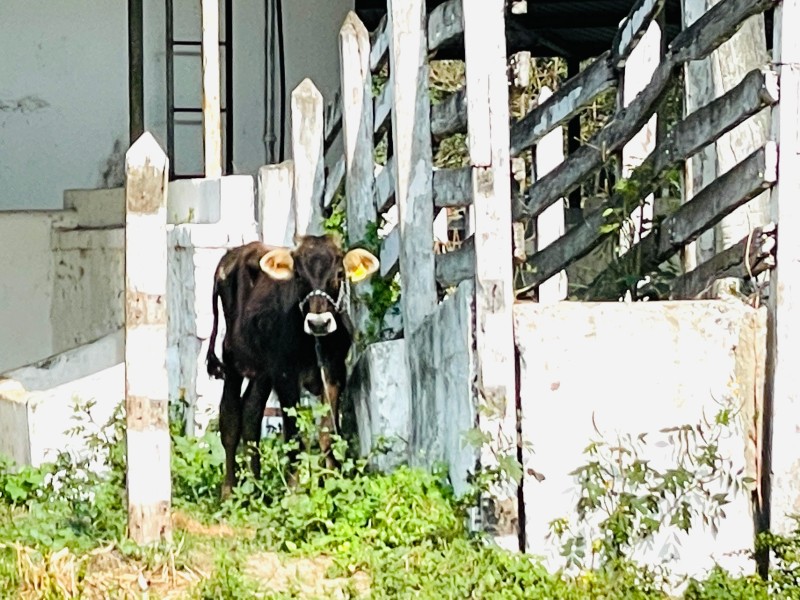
(360, 264)
(278, 263)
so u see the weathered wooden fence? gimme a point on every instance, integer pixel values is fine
(492, 263)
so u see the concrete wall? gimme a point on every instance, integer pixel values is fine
(311, 30)
(63, 97)
(637, 368)
(36, 402)
(64, 88)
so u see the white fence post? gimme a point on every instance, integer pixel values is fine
(639, 69)
(487, 118)
(146, 384)
(212, 129)
(784, 348)
(550, 224)
(309, 157)
(357, 129)
(412, 158)
(276, 219)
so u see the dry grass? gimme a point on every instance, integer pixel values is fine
(175, 572)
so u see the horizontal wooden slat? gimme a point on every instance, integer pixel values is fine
(751, 256)
(390, 253)
(632, 30)
(450, 115)
(379, 45)
(452, 187)
(384, 187)
(713, 203)
(383, 107)
(578, 92)
(695, 42)
(333, 181)
(757, 90)
(445, 25)
(333, 119)
(454, 267)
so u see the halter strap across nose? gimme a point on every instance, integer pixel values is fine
(322, 293)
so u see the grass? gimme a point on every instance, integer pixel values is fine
(351, 534)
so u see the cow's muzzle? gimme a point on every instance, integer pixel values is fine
(319, 324)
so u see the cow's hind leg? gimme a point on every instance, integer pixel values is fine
(230, 427)
(333, 379)
(255, 400)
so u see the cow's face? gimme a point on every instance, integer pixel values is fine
(319, 269)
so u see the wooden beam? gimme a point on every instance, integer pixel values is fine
(275, 208)
(579, 91)
(413, 159)
(333, 181)
(384, 186)
(783, 391)
(333, 119)
(149, 485)
(452, 188)
(357, 128)
(445, 25)
(212, 126)
(379, 42)
(459, 265)
(757, 90)
(383, 108)
(450, 115)
(751, 256)
(636, 24)
(735, 188)
(495, 356)
(696, 42)
(309, 158)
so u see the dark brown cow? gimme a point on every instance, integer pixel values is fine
(284, 329)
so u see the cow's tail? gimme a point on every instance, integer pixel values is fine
(213, 364)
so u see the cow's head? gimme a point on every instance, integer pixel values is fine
(319, 268)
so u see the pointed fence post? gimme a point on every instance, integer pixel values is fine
(357, 129)
(550, 224)
(309, 157)
(488, 131)
(783, 395)
(411, 135)
(212, 128)
(146, 390)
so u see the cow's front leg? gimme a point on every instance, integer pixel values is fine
(333, 381)
(254, 402)
(230, 427)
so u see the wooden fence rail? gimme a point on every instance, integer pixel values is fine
(408, 193)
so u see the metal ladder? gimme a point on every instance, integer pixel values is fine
(227, 75)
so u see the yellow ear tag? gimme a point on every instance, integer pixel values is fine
(357, 274)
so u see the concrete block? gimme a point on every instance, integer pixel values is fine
(97, 208)
(443, 405)
(229, 199)
(36, 402)
(592, 371)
